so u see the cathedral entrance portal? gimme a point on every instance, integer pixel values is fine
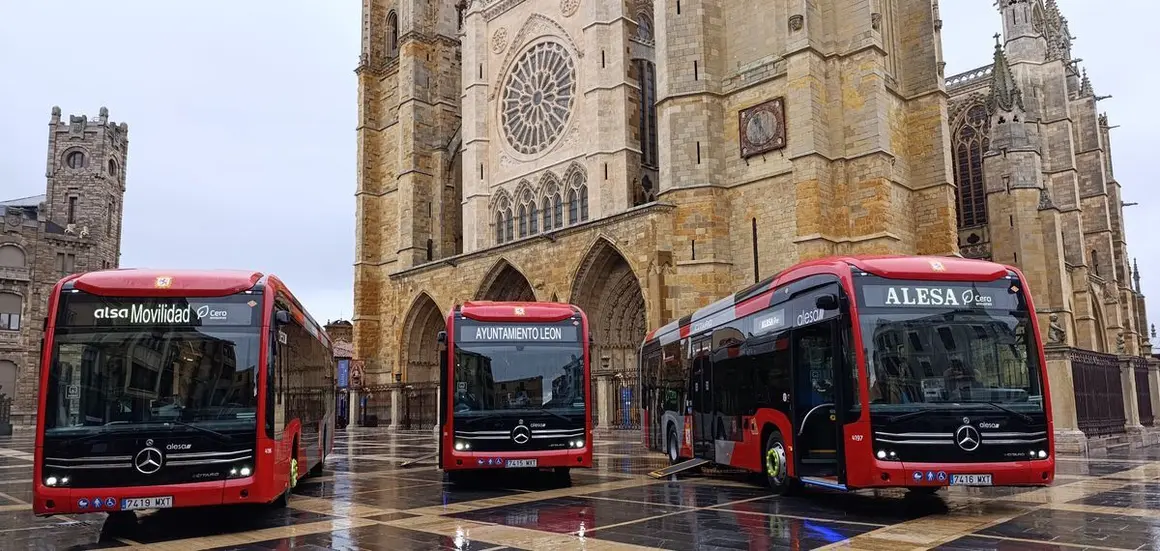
(420, 334)
(505, 283)
(610, 294)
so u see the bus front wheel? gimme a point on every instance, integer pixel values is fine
(775, 465)
(674, 447)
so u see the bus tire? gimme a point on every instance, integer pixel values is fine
(774, 464)
(674, 448)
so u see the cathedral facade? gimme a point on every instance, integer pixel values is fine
(75, 226)
(642, 159)
(638, 159)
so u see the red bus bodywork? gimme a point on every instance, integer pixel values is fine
(862, 468)
(272, 460)
(451, 459)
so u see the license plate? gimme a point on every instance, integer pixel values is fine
(520, 463)
(971, 479)
(133, 503)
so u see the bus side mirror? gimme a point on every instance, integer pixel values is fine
(827, 302)
(441, 337)
(281, 317)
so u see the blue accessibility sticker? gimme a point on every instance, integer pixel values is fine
(930, 476)
(96, 503)
(110, 502)
(83, 503)
(918, 476)
(942, 476)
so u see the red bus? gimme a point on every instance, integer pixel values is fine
(514, 380)
(845, 373)
(178, 388)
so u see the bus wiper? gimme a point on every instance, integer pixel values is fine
(221, 435)
(554, 414)
(910, 415)
(1026, 418)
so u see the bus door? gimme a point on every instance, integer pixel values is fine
(702, 398)
(818, 403)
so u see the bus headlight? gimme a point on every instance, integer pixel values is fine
(241, 472)
(886, 455)
(1042, 454)
(56, 481)
(577, 443)
(460, 446)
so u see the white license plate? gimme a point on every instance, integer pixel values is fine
(134, 503)
(516, 463)
(971, 479)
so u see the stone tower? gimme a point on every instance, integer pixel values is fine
(409, 187)
(86, 183)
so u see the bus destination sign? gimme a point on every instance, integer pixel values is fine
(129, 313)
(513, 333)
(937, 295)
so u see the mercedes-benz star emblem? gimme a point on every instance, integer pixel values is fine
(521, 434)
(967, 437)
(148, 461)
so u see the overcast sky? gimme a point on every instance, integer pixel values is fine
(242, 114)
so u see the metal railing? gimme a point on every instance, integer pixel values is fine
(1099, 393)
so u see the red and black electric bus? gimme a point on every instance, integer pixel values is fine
(178, 388)
(514, 380)
(844, 373)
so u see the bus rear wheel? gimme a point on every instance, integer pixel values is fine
(674, 450)
(774, 464)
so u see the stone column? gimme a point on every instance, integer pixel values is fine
(396, 406)
(603, 388)
(1068, 438)
(1132, 425)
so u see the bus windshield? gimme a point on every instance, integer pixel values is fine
(118, 364)
(948, 343)
(544, 370)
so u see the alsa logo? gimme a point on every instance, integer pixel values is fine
(175, 447)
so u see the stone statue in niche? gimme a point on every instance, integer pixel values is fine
(1120, 343)
(1055, 331)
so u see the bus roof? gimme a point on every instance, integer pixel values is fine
(160, 282)
(488, 310)
(940, 268)
(155, 282)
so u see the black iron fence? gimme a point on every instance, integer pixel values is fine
(420, 406)
(1143, 390)
(1099, 393)
(374, 408)
(624, 410)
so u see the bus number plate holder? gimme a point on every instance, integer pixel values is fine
(971, 479)
(134, 503)
(516, 463)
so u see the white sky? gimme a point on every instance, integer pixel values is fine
(242, 114)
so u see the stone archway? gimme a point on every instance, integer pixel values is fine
(421, 330)
(505, 283)
(609, 292)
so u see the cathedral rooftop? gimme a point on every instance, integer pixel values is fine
(30, 201)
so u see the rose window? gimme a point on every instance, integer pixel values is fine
(538, 97)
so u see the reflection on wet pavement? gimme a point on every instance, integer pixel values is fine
(364, 499)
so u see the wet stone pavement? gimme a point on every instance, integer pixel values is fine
(365, 500)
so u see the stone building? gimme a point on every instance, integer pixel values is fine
(75, 226)
(637, 159)
(1032, 161)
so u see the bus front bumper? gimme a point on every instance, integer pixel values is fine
(47, 501)
(575, 457)
(1039, 472)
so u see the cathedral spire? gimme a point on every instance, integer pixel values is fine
(1005, 93)
(1136, 274)
(1085, 88)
